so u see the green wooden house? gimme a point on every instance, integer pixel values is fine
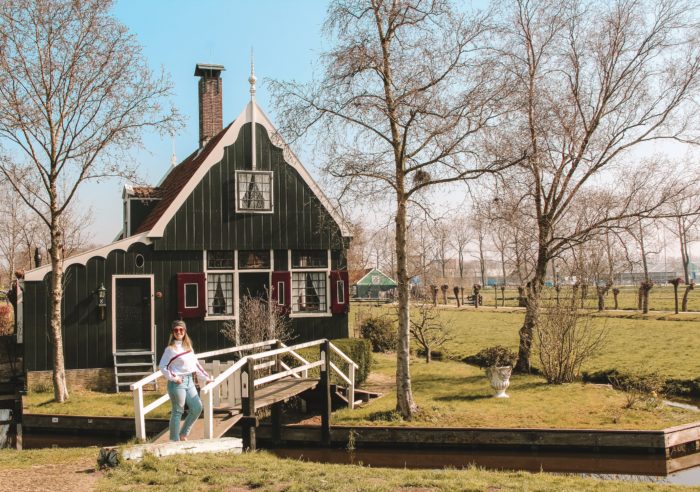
(372, 284)
(239, 216)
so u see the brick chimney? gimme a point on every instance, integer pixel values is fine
(210, 112)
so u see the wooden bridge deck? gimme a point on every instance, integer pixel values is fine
(226, 417)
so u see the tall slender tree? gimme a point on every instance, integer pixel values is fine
(75, 95)
(593, 80)
(405, 89)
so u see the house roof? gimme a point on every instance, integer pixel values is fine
(176, 180)
(377, 277)
(355, 275)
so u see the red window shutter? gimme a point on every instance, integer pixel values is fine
(340, 295)
(282, 291)
(191, 295)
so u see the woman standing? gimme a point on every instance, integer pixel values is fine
(179, 365)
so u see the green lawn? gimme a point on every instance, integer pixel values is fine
(454, 394)
(85, 402)
(634, 343)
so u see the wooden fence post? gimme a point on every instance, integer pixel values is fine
(248, 422)
(138, 413)
(325, 388)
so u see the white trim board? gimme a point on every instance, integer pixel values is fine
(217, 154)
(38, 274)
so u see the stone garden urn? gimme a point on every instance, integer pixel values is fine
(499, 377)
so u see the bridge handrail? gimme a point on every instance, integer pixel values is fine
(140, 410)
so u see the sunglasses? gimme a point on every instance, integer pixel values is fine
(178, 330)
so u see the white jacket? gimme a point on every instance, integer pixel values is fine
(178, 362)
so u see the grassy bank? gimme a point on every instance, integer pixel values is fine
(263, 471)
(455, 394)
(85, 402)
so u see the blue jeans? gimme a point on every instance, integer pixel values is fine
(183, 394)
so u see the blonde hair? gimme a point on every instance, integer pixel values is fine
(186, 342)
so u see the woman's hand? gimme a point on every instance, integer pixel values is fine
(177, 380)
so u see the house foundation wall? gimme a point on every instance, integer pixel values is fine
(94, 379)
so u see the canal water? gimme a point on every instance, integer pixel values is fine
(632, 467)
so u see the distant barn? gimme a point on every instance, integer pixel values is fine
(371, 283)
(238, 217)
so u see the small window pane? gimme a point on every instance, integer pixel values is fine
(280, 293)
(317, 258)
(191, 296)
(309, 292)
(253, 259)
(340, 291)
(220, 260)
(254, 191)
(220, 294)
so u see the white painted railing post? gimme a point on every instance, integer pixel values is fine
(208, 404)
(139, 414)
(351, 388)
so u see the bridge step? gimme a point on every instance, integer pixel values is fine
(222, 423)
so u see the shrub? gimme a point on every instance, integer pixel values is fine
(497, 355)
(640, 388)
(565, 339)
(358, 350)
(6, 322)
(381, 333)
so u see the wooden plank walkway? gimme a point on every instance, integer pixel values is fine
(226, 417)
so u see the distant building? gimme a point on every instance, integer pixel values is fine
(371, 284)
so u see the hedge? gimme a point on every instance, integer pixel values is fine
(672, 387)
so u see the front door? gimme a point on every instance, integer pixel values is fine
(132, 313)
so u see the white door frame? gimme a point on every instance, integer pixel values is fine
(114, 308)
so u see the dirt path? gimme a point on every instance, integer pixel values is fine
(76, 476)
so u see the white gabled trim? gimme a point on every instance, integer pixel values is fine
(82, 258)
(251, 112)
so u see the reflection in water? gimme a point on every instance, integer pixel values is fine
(684, 470)
(644, 468)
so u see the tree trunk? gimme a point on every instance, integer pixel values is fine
(405, 404)
(616, 292)
(640, 298)
(60, 389)
(601, 302)
(688, 288)
(534, 294)
(428, 355)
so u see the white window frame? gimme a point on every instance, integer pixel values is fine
(240, 210)
(234, 301)
(340, 288)
(280, 289)
(327, 270)
(196, 285)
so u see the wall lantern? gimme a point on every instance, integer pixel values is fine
(102, 300)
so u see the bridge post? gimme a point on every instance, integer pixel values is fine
(276, 410)
(248, 422)
(325, 388)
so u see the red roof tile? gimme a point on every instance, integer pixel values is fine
(177, 179)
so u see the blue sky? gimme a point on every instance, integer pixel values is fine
(177, 34)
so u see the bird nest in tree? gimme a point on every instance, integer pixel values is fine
(421, 177)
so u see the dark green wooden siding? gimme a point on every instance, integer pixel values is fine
(207, 219)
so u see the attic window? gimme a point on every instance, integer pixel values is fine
(254, 191)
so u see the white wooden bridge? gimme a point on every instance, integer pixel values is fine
(265, 374)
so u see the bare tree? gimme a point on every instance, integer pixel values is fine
(460, 233)
(593, 80)
(683, 224)
(399, 115)
(259, 322)
(429, 330)
(75, 94)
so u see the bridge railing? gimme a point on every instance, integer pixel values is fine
(140, 411)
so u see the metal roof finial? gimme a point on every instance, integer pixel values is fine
(252, 78)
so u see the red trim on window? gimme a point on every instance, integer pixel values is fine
(191, 278)
(284, 278)
(339, 306)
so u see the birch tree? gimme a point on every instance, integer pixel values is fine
(75, 95)
(594, 81)
(404, 91)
